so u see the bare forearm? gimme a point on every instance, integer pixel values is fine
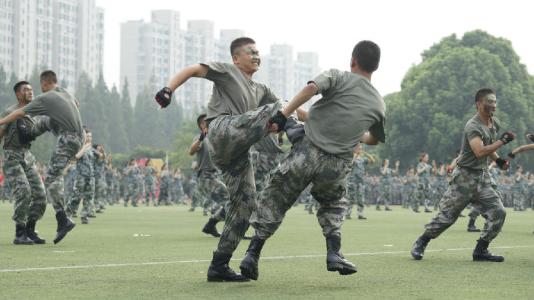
(302, 97)
(523, 148)
(186, 73)
(302, 115)
(194, 147)
(19, 113)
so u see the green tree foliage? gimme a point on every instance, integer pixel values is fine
(437, 96)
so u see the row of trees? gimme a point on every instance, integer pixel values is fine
(125, 130)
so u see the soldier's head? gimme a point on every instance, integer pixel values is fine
(23, 91)
(201, 122)
(245, 55)
(365, 58)
(423, 157)
(48, 80)
(486, 102)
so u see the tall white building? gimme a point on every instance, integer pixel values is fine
(66, 36)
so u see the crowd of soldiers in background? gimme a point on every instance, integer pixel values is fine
(139, 183)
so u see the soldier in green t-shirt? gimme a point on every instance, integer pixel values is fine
(471, 182)
(238, 113)
(351, 111)
(62, 109)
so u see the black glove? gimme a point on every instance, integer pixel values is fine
(202, 136)
(278, 119)
(511, 155)
(25, 131)
(507, 137)
(503, 164)
(163, 97)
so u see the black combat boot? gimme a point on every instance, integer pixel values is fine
(481, 253)
(210, 228)
(30, 232)
(471, 227)
(249, 264)
(20, 236)
(64, 225)
(335, 262)
(418, 249)
(219, 271)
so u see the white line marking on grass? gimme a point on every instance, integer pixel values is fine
(194, 261)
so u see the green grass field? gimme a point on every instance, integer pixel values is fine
(160, 253)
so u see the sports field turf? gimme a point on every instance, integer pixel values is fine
(160, 253)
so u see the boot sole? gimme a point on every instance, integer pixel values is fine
(488, 260)
(416, 257)
(227, 280)
(63, 233)
(341, 269)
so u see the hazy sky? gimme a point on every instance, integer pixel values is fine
(403, 29)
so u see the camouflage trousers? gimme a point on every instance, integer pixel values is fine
(164, 197)
(84, 188)
(100, 193)
(212, 188)
(26, 185)
(469, 187)
(132, 193)
(150, 191)
(68, 144)
(422, 196)
(385, 195)
(265, 163)
(518, 200)
(305, 164)
(230, 140)
(355, 195)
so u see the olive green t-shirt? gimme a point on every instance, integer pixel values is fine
(476, 128)
(350, 106)
(61, 107)
(233, 93)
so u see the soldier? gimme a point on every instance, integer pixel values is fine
(351, 111)
(70, 180)
(386, 180)
(471, 182)
(84, 185)
(209, 183)
(424, 172)
(356, 185)
(267, 159)
(165, 182)
(61, 107)
(19, 168)
(238, 112)
(132, 183)
(150, 183)
(109, 181)
(99, 157)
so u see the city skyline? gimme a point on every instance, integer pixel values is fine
(402, 29)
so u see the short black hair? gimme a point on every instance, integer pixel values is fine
(240, 42)
(367, 54)
(48, 76)
(18, 85)
(200, 118)
(483, 92)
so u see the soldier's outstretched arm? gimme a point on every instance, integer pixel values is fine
(16, 114)
(181, 77)
(302, 97)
